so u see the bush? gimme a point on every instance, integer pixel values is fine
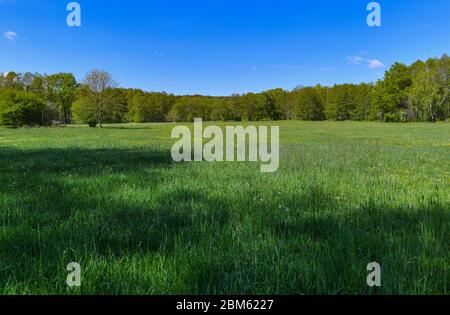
(92, 123)
(391, 117)
(84, 112)
(19, 108)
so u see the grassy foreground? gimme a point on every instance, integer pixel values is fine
(346, 194)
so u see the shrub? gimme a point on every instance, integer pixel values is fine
(92, 123)
(391, 117)
(84, 112)
(19, 108)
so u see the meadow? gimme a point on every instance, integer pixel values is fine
(345, 195)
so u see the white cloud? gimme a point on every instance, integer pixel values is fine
(361, 58)
(10, 35)
(375, 63)
(355, 60)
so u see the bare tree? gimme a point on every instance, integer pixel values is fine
(97, 83)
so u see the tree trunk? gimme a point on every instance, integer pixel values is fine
(101, 119)
(431, 112)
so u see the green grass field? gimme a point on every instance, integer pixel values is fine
(346, 194)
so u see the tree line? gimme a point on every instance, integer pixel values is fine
(419, 92)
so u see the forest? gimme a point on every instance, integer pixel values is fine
(418, 92)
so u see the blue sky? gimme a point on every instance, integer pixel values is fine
(220, 47)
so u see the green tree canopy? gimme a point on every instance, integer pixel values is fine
(20, 108)
(61, 89)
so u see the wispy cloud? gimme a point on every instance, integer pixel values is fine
(375, 64)
(361, 59)
(10, 35)
(355, 60)
(327, 69)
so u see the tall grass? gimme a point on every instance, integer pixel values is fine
(346, 194)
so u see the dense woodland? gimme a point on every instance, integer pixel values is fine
(419, 92)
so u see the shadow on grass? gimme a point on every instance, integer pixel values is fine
(322, 248)
(80, 160)
(63, 205)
